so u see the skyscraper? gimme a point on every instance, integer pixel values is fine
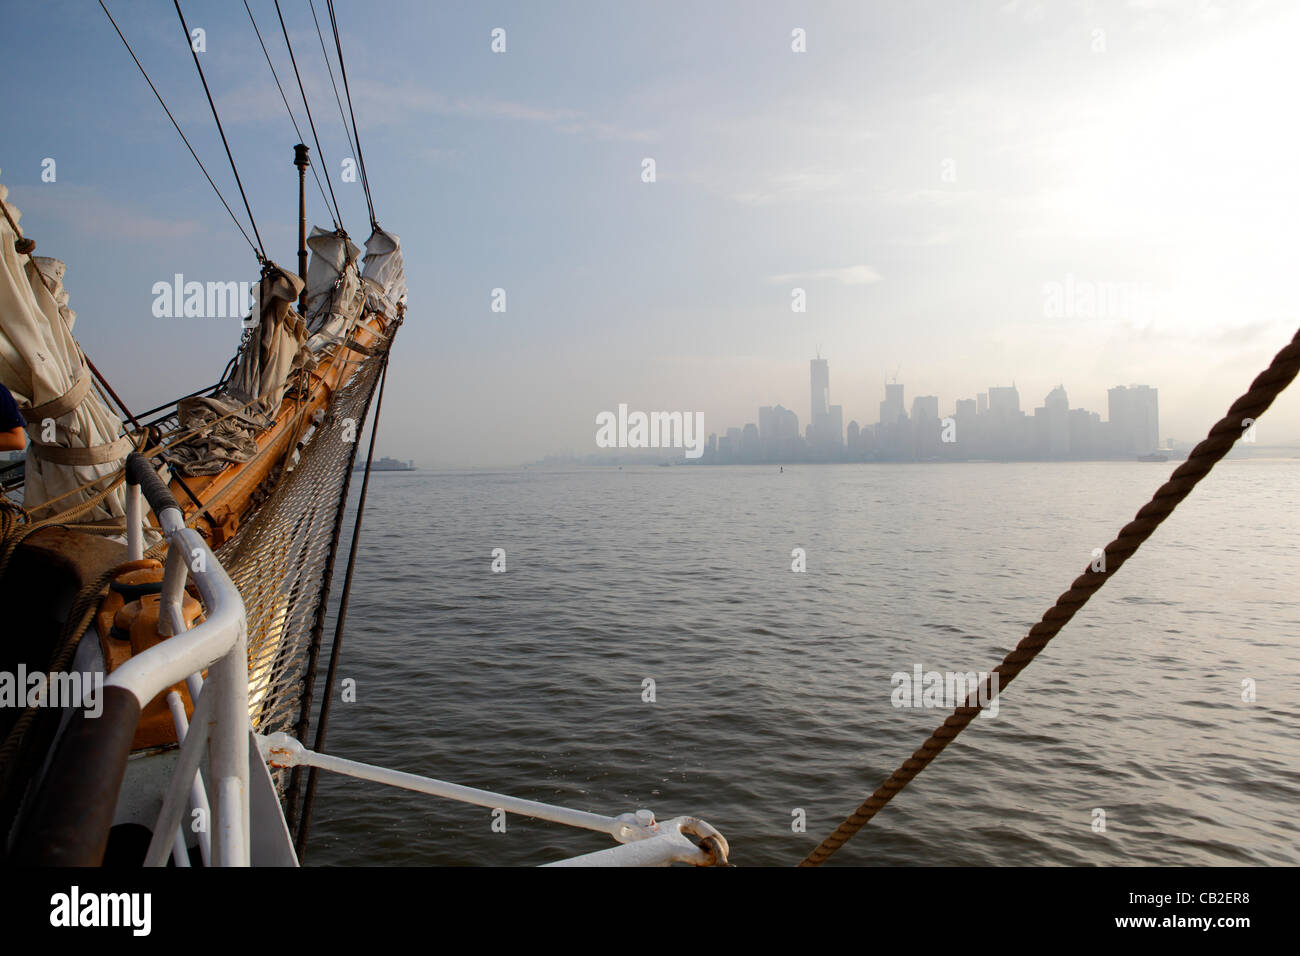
(785, 423)
(892, 408)
(1057, 408)
(820, 376)
(925, 407)
(1135, 419)
(1004, 400)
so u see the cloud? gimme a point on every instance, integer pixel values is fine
(939, 237)
(93, 213)
(794, 186)
(385, 103)
(848, 275)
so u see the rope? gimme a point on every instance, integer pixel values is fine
(330, 69)
(233, 217)
(230, 156)
(310, 122)
(173, 440)
(13, 531)
(322, 723)
(23, 246)
(220, 496)
(79, 615)
(343, 71)
(117, 478)
(292, 119)
(1266, 387)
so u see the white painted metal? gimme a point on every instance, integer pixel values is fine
(134, 523)
(198, 796)
(282, 750)
(221, 727)
(171, 619)
(173, 807)
(232, 835)
(646, 843)
(180, 853)
(668, 845)
(270, 841)
(219, 644)
(171, 520)
(220, 634)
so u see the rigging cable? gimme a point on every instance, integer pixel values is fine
(341, 616)
(347, 134)
(1222, 436)
(343, 70)
(310, 122)
(292, 118)
(194, 53)
(185, 140)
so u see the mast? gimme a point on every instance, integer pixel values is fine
(301, 160)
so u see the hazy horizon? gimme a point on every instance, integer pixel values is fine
(936, 178)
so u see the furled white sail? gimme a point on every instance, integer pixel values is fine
(333, 288)
(75, 436)
(249, 401)
(384, 272)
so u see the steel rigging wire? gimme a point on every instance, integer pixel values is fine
(310, 122)
(347, 134)
(184, 139)
(343, 70)
(235, 169)
(275, 76)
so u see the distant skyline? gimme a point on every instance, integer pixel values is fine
(993, 424)
(1083, 192)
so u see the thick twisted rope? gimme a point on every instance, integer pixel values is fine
(1266, 387)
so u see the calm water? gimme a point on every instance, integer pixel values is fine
(773, 688)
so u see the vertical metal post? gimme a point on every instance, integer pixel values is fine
(198, 796)
(301, 160)
(134, 523)
(228, 682)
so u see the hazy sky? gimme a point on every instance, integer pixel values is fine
(925, 171)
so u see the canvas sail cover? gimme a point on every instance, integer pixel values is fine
(228, 421)
(384, 272)
(334, 296)
(75, 437)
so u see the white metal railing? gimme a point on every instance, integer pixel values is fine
(645, 842)
(220, 723)
(219, 644)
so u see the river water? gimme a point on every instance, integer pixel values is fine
(774, 698)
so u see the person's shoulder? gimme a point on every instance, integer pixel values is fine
(10, 415)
